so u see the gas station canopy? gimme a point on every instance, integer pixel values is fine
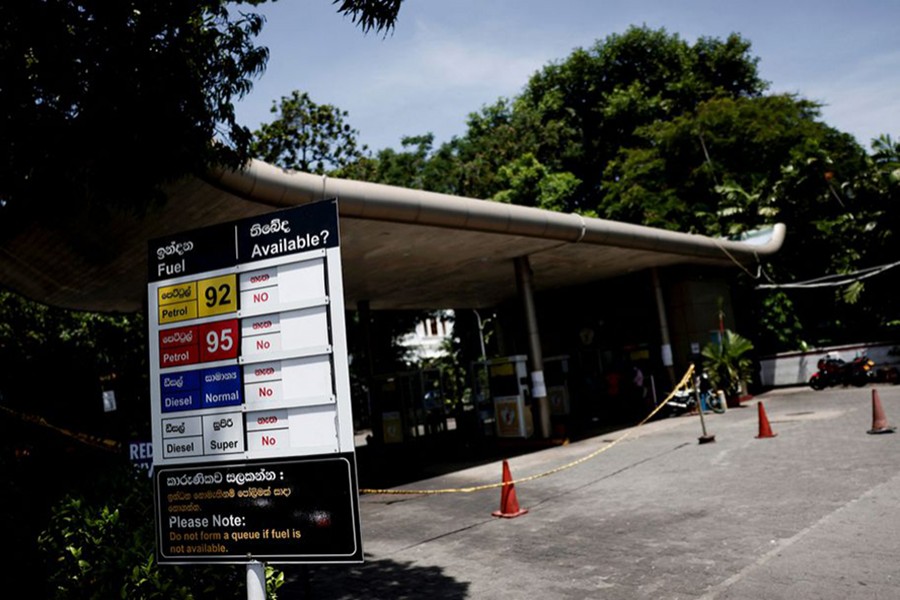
(400, 248)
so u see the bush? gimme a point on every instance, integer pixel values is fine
(727, 364)
(100, 545)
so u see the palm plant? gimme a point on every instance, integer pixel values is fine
(727, 363)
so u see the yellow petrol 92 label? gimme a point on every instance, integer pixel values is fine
(197, 299)
(217, 295)
(181, 311)
(177, 302)
(183, 292)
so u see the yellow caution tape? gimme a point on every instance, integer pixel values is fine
(489, 486)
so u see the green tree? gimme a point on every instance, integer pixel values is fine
(406, 168)
(733, 165)
(886, 154)
(377, 15)
(95, 92)
(307, 136)
(528, 182)
(590, 105)
(465, 166)
(550, 145)
(872, 197)
(84, 351)
(644, 127)
(724, 167)
(417, 165)
(496, 136)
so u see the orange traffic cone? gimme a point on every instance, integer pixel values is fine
(509, 505)
(879, 421)
(765, 431)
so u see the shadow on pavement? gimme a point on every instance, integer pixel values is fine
(384, 466)
(373, 580)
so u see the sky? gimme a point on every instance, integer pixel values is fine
(446, 59)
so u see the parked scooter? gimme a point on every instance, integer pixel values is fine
(836, 371)
(685, 400)
(682, 401)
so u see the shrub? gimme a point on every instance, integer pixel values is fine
(100, 545)
(727, 363)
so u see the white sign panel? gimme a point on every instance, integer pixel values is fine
(247, 344)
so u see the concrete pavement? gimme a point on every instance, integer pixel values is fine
(811, 513)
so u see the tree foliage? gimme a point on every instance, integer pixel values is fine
(645, 127)
(83, 350)
(550, 145)
(589, 106)
(712, 170)
(528, 182)
(307, 136)
(103, 102)
(96, 92)
(377, 15)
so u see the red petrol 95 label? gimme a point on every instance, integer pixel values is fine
(199, 343)
(178, 347)
(219, 340)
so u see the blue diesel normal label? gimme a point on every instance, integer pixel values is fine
(180, 391)
(221, 386)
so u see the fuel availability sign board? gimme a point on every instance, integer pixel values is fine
(248, 353)
(296, 510)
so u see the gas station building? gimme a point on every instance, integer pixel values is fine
(580, 302)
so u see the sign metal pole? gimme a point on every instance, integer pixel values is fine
(256, 581)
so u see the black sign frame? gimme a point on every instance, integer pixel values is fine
(299, 510)
(279, 233)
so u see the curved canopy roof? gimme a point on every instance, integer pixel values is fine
(400, 248)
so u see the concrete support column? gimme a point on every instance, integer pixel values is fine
(666, 349)
(365, 345)
(536, 356)
(365, 326)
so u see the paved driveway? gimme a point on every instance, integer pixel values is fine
(810, 513)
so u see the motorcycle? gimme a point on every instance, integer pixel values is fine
(685, 400)
(836, 371)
